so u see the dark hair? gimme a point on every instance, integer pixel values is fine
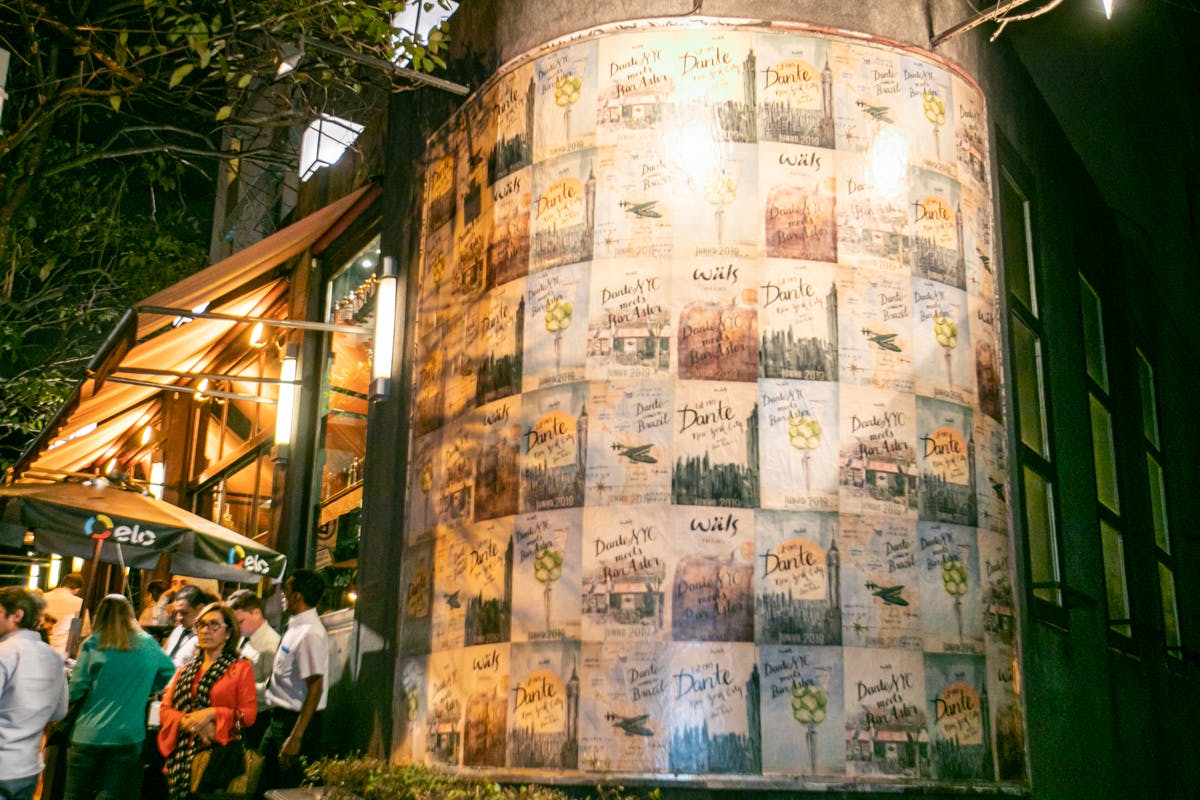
(72, 580)
(231, 644)
(16, 598)
(155, 588)
(309, 584)
(192, 596)
(244, 600)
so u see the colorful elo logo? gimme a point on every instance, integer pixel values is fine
(251, 563)
(98, 527)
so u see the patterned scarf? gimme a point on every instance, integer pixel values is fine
(179, 763)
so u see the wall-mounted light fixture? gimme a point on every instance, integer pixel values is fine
(284, 410)
(157, 474)
(385, 328)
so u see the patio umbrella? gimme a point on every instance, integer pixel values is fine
(103, 522)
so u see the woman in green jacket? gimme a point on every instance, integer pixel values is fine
(119, 667)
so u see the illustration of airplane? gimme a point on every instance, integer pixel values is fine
(884, 341)
(453, 600)
(998, 488)
(632, 726)
(890, 595)
(645, 209)
(984, 259)
(638, 452)
(878, 113)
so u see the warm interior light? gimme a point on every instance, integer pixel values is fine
(157, 471)
(111, 466)
(352, 596)
(55, 570)
(76, 564)
(35, 574)
(201, 387)
(257, 339)
(147, 432)
(287, 396)
(28, 539)
(385, 321)
(1108, 4)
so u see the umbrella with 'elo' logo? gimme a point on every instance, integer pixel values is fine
(97, 519)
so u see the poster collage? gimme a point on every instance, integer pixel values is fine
(708, 459)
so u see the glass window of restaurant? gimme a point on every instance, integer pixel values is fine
(342, 431)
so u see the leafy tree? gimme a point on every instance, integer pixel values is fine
(118, 116)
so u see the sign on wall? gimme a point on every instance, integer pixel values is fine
(708, 471)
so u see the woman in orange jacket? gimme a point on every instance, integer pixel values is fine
(210, 699)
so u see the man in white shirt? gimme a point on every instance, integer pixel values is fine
(65, 605)
(33, 692)
(258, 646)
(298, 690)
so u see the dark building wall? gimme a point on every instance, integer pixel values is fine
(1106, 715)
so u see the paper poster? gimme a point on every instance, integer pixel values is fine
(716, 336)
(625, 689)
(629, 460)
(629, 328)
(543, 709)
(881, 596)
(499, 348)
(995, 576)
(424, 488)
(626, 554)
(867, 99)
(798, 578)
(416, 601)
(946, 465)
(485, 672)
(942, 351)
(712, 588)
(715, 86)
(455, 498)
(714, 709)
(877, 460)
(508, 250)
(555, 327)
(1007, 716)
(886, 731)
(991, 469)
(875, 330)
(960, 717)
(799, 202)
(443, 709)
(926, 112)
(429, 397)
(636, 218)
(717, 213)
(498, 458)
(795, 91)
(434, 300)
(985, 340)
(951, 608)
(803, 710)
(511, 99)
(546, 577)
(564, 210)
(935, 230)
(798, 321)
(566, 83)
(715, 445)
(439, 184)
(799, 457)
(410, 711)
(554, 426)
(871, 220)
(637, 94)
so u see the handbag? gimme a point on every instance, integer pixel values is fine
(229, 770)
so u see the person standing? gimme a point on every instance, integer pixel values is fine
(181, 643)
(298, 691)
(33, 692)
(154, 605)
(258, 644)
(119, 667)
(207, 704)
(66, 606)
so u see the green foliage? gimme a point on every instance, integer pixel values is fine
(373, 779)
(117, 118)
